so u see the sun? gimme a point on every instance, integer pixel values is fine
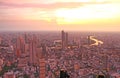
(83, 0)
(71, 15)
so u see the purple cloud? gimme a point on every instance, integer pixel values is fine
(47, 6)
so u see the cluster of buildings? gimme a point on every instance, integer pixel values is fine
(21, 57)
(30, 55)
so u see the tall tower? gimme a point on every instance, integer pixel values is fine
(0, 40)
(42, 68)
(89, 41)
(20, 46)
(18, 50)
(64, 39)
(33, 49)
(44, 52)
(25, 37)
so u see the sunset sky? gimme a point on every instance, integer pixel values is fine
(73, 15)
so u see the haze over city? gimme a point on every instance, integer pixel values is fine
(73, 15)
(59, 39)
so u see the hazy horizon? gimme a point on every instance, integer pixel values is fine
(56, 15)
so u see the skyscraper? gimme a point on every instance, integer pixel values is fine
(20, 46)
(41, 59)
(89, 41)
(26, 38)
(42, 68)
(33, 49)
(0, 40)
(64, 39)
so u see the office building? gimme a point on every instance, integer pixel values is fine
(33, 49)
(0, 40)
(64, 40)
(89, 41)
(20, 46)
(42, 68)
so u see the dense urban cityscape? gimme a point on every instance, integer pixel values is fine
(45, 54)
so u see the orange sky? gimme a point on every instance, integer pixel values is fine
(79, 15)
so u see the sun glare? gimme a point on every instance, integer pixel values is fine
(90, 12)
(83, 0)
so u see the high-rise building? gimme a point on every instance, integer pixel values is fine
(64, 39)
(27, 49)
(42, 68)
(89, 41)
(44, 52)
(41, 59)
(33, 49)
(0, 40)
(39, 54)
(18, 51)
(25, 37)
(20, 46)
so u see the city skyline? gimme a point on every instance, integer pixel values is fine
(72, 15)
(59, 54)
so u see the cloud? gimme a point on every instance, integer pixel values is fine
(52, 1)
(44, 6)
(47, 6)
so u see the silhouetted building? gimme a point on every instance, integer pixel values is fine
(26, 37)
(0, 40)
(64, 40)
(89, 41)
